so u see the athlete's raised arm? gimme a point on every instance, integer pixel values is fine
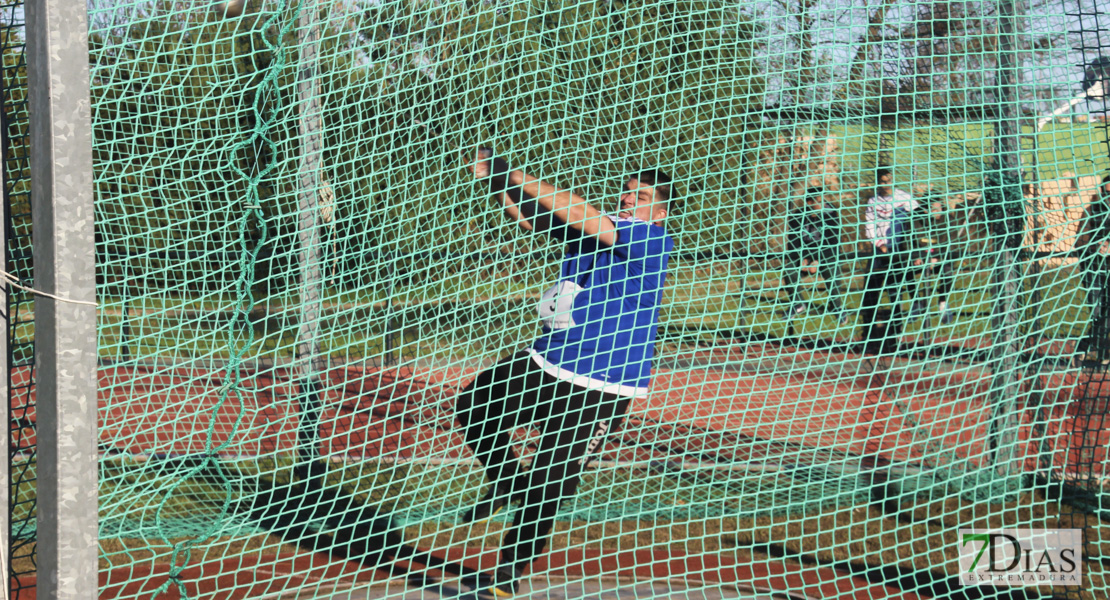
(539, 206)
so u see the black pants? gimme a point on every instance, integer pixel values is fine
(573, 421)
(946, 278)
(827, 267)
(890, 274)
(1096, 279)
(944, 270)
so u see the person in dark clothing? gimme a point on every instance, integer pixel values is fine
(812, 248)
(940, 239)
(1094, 232)
(886, 225)
(575, 381)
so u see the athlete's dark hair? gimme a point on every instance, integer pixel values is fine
(659, 180)
(881, 171)
(814, 192)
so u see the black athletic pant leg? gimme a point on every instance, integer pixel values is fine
(498, 401)
(873, 288)
(792, 275)
(1100, 327)
(1097, 281)
(576, 423)
(829, 268)
(907, 279)
(947, 278)
(892, 276)
(902, 284)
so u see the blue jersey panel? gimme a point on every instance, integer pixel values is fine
(613, 296)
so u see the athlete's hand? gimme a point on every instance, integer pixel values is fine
(880, 245)
(479, 164)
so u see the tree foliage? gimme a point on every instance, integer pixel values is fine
(944, 57)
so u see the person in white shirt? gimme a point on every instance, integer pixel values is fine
(886, 225)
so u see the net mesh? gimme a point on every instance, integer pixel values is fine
(14, 122)
(297, 277)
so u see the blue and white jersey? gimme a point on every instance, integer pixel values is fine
(600, 319)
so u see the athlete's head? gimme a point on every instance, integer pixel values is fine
(884, 180)
(646, 196)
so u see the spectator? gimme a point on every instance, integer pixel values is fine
(886, 224)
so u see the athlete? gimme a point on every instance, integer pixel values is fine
(594, 355)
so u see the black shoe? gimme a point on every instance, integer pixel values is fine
(506, 582)
(494, 501)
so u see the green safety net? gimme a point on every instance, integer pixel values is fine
(18, 305)
(297, 276)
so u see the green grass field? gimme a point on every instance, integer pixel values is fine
(701, 301)
(951, 157)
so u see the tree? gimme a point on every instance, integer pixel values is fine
(946, 58)
(920, 67)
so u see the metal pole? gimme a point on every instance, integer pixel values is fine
(310, 363)
(65, 326)
(5, 366)
(1008, 223)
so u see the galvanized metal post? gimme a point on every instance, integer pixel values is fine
(1008, 224)
(5, 366)
(311, 364)
(65, 321)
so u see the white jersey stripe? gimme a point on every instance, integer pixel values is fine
(589, 383)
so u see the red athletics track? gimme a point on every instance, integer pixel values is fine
(386, 413)
(383, 413)
(254, 575)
